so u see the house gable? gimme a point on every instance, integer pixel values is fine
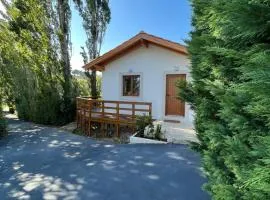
(145, 58)
(140, 40)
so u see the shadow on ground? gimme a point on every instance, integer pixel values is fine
(38, 162)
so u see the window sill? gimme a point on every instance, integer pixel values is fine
(127, 98)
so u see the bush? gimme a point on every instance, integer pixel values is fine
(159, 135)
(142, 121)
(147, 129)
(154, 131)
(230, 94)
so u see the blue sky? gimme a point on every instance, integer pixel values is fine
(169, 19)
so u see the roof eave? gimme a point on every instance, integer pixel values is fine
(98, 63)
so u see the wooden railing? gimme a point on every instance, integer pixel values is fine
(109, 112)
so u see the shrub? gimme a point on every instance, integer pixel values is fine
(154, 131)
(142, 121)
(159, 135)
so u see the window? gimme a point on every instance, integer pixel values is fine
(131, 85)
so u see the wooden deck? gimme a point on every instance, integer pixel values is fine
(118, 113)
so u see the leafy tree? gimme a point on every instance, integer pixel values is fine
(230, 94)
(64, 17)
(96, 16)
(35, 62)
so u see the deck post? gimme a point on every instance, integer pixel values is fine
(89, 128)
(117, 130)
(102, 129)
(118, 119)
(102, 108)
(83, 117)
(133, 118)
(89, 117)
(103, 123)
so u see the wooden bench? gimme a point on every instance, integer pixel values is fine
(109, 112)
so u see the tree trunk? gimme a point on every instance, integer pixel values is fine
(93, 83)
(93, 80)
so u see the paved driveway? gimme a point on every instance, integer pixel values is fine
(45, 163)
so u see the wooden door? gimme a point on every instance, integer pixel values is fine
(174, 106)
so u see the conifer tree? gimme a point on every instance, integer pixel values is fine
(230, 93)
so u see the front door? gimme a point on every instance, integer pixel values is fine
(174, 106)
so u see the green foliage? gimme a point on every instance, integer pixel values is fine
(154, 131)
(3, 125)
(97, 82)
(146, 128)
(142, 121)
(36, 77)
(99, 85)
(81, 86)
(159, 135)
(2, 92)
(230, 94)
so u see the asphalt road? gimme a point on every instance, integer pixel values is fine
(38, 162)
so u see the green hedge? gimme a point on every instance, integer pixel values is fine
(230, 93)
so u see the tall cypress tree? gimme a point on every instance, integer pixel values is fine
(64, 18)
(230, 93)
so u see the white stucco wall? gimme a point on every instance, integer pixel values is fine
(152, 63)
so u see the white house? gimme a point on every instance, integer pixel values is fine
(145, 68)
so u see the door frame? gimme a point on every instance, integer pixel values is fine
(188, 78)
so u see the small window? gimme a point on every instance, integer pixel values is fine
(131, 85)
